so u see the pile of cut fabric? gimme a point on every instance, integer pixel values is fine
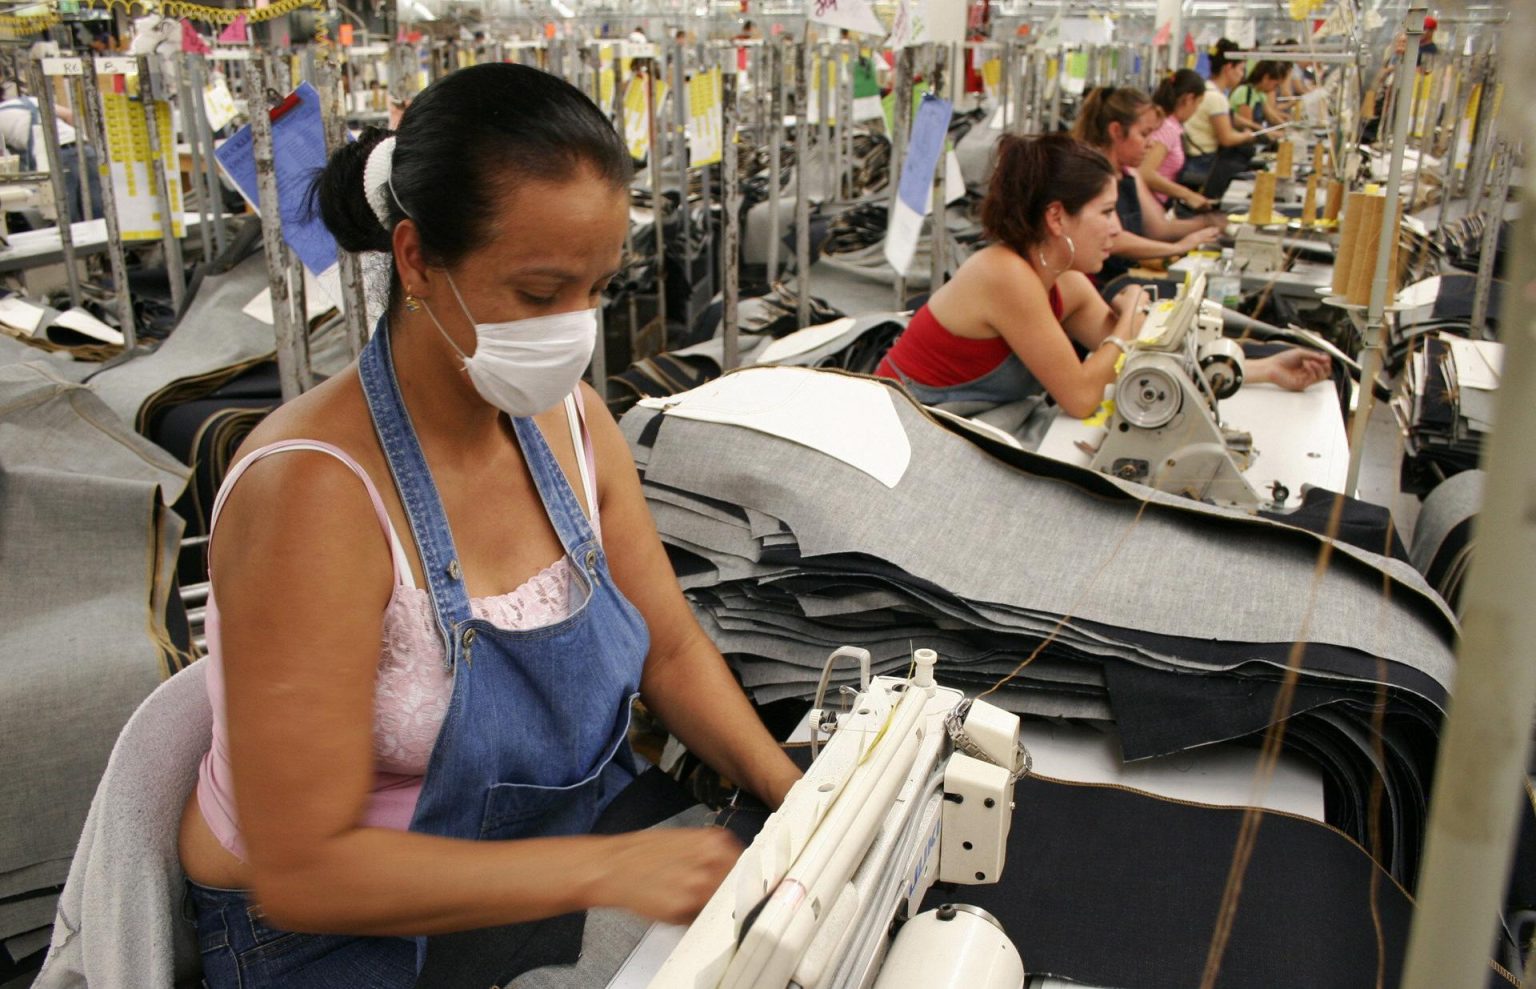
(89, 625)
(805, 510)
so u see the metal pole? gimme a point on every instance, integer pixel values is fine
(1375, 314)
(1478, 168)
(802, 201)
(681, 101)
(354, 302)
(1448, 186)
(938, 253)
(97, 128)
(150, 85)
(901, 123)
(43, 87)
(775, 138)
(1480, 773)
(658, 213)
(189, 130)
(730, 197)
(822, 68)
(292, 370)
(1493, 220)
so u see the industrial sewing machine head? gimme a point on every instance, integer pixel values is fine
(1165, 430)
(915, 786)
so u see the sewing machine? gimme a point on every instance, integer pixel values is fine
(25, 192)
(915, 786)
(1165, 430)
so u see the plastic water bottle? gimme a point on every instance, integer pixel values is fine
(1225, 284)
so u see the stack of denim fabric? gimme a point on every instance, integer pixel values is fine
(1174, 620)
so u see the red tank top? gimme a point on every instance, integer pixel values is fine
(929, 354)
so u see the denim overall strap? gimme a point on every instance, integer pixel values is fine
(408, 466)
(560, 504)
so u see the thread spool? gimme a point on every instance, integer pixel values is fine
(1335, 200)
(1362, 271)
(1344, 259)
(1309, 204)
(1285, 159)
(1262, 211)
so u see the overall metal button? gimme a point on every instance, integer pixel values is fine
(591, 559)
(469, 637)
(454, 571)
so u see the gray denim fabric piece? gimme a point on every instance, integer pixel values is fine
(213, 339)
(88, 549)
(992, 533)
(1451, 503)
(60, 363)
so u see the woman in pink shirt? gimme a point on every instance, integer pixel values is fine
(1178, 97)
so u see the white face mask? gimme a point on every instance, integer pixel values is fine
(527, 365)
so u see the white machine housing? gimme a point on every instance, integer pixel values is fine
(1166, 430)
(858, 842)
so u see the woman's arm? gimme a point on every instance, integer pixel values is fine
(1272, 114)
(1228, 135)
(1159, 226)
(1157, 182)
(1089, 320)
(1242, 118)
(686, 680)
(1137, 248)
(301, 590)
(1017, 307)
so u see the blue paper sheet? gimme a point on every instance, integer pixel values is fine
(930, 130)
(298, 149)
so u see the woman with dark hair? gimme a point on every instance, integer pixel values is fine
(1004, 328)
(1252, 102)
(436, 588)
(1117, 122)
(1177, 97)
(1209, 131)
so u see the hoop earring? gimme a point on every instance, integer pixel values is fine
(1071, 258)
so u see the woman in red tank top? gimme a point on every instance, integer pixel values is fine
(1002, 329)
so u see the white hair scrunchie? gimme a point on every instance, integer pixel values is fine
(377, 184)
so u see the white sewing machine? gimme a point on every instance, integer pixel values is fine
(1165, 430)
(915, 786)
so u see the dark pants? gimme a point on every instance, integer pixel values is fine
(69, 156)
(1210, 174)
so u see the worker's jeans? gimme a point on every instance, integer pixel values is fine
(238, 948)
(69, 156)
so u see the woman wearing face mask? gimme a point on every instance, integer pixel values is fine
(1117, 123)
(436, 587)
(1177, 98)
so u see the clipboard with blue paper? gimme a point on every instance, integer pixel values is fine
(298, 151)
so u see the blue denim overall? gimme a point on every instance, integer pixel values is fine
(535, 739)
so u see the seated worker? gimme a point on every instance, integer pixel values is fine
(1003, 329)
(1116, 123)
(1253, 104)
(19, 119)
(436, 587)
(1178, 96)
(1216, 150)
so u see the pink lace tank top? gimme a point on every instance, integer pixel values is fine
(413, 688)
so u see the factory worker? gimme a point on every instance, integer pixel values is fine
(1217, 149)
(1003, 329)
(436, 587)
(1177, 98)
(1117, 122)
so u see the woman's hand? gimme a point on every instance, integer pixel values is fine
(665, 874)
(1205, 235)
(1128, 299)
(1294, 369)
(1195, 201)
